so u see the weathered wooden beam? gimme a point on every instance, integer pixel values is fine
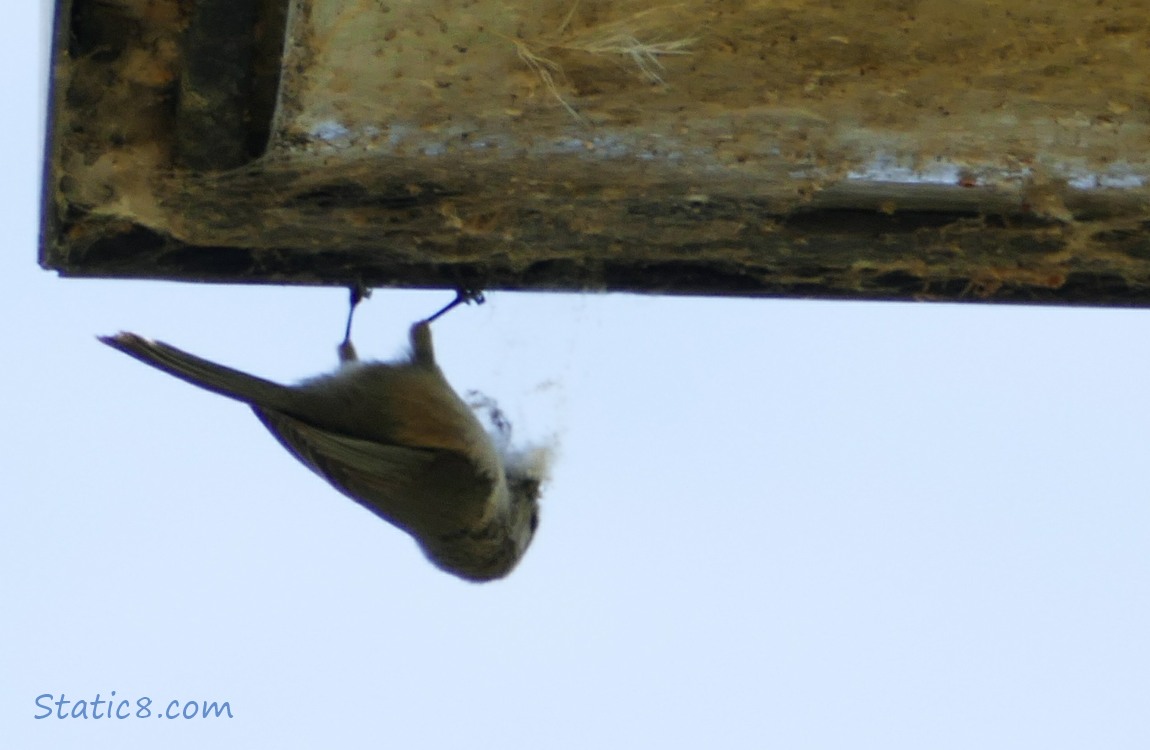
(972, 151)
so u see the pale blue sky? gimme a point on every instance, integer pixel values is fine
(785, 524)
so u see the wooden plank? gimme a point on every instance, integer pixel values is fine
(946, 151)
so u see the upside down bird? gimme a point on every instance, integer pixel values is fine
(394, 437)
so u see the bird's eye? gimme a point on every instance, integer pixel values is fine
(534, 521)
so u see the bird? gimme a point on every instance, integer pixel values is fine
(395, 438)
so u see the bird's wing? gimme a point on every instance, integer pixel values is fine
(421, 490)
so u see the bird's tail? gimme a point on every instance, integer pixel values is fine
(197, 371)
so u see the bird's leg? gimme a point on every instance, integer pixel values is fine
(358, 293)
(422, 352)
(461, 296)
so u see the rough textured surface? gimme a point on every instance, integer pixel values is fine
(899, 149)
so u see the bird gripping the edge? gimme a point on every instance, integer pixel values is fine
(394, 437)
